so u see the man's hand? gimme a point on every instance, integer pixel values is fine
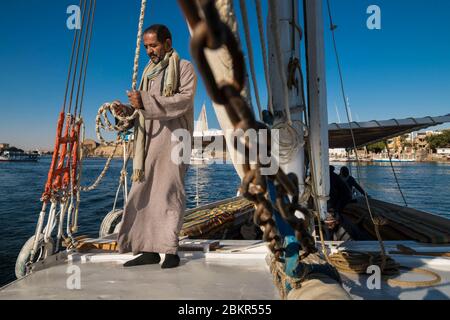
(135, 99)
(122, 110)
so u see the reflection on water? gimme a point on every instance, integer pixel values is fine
(425, 185)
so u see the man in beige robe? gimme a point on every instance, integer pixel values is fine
(154, 213)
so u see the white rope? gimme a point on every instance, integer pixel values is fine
(105, 169)
(264, 53)
(102, 121)
(73, 214)
(138, 45)
(106, 125)
(123, 178)
(278, 56)
(102, 112)
(288, 141)
(250, 54)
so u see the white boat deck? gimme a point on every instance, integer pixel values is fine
(201, 276)
(236, 272)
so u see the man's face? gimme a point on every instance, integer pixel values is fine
(155, 49)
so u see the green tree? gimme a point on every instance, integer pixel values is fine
(439, 141)
(376, 147)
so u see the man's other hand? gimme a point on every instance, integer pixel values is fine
(135, 99)
(122, 110)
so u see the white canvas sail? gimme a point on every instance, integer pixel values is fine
(201, 125)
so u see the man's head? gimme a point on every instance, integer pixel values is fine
(332, 168)
(345, 172)
(332, 219)
(157, 42)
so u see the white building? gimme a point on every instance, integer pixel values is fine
(443, 151)
(338, 153)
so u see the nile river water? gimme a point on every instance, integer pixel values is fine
(425, 185)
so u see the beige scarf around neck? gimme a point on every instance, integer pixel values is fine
(171, 83)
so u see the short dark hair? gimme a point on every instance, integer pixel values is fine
(161, 31)
(345, 172)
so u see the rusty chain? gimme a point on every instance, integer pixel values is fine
(209, 32)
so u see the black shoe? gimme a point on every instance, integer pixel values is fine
(145, 258)
(171, 261)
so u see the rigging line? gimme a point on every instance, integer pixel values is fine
(307, 59)
(380, 240)
(69, 73)
(83, 58)
(293, 31)
(395, 174)
(250, 54)
(77, 56)
(264, 53)
(87, 58)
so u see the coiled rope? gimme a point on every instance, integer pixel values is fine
(124, 123)
(288, 141)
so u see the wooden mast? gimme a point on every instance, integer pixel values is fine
(317, 98)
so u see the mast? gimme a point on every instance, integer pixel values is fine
(317, 98)
(287, 11)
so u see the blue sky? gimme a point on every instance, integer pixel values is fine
(402, 70)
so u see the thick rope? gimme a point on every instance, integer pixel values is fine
(123, 175)
(281, 279)
(248, 41)
(105, 124)
(138, 45)
(103, 173)
(288, 142)
(102, 121)
(358, 262)
(124, 122)
(262, 41)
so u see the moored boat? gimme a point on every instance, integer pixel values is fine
(18, 156)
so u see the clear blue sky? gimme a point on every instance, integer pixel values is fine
(400, 71)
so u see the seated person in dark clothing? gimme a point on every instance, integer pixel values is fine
(339, 227)
(350, 181)
(340, 194)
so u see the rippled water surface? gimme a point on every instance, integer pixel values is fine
(425, 185)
